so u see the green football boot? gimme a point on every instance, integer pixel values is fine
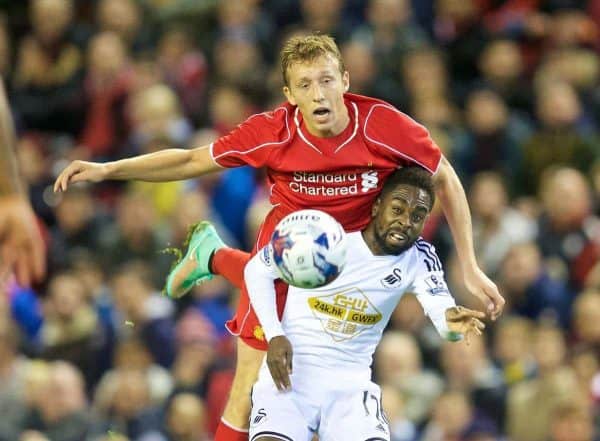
(193, 269)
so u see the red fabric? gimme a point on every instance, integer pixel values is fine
(341, 175)
(100, 133)
(226, 433)
(230, 263)
(244, 323)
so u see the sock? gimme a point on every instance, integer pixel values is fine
(230, 263)
(226, 432)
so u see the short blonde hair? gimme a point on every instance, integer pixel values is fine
(304, 49)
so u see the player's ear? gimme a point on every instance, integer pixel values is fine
(288, 94)
(375, 207)
(346, 80)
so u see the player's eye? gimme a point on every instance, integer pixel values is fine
(417, 218)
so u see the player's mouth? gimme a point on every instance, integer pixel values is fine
(397, 238)
(321, 114)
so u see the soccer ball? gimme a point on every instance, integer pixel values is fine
(308, 248)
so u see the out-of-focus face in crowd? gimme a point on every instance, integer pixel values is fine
(501, 62)
(566, 198)
(186, 417)
(50, 19)
(120, 16)
(486, 112)
(520, 268)
(512, 340)
(549, 348)
(106, 54)
(388, 14)
(586, 317)
(557, 105)
(488, 196)
(397, 358)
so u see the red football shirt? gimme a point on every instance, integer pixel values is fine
(341, 175)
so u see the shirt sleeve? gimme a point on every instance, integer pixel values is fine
(252, 142)
(401, 137)
(431, 289)
(260, 274)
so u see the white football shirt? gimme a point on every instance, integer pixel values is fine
(338, 326)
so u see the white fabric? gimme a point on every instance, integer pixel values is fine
(337, 327)
(352, 414)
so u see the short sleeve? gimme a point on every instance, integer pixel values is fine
(252, 142)
(401, 137)
(429, 285)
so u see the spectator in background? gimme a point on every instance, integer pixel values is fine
(124, 17)
(398, 365)
(391, 33)
(47, 80)
(496, 226)
(13, 371)
(529, 289)
(34, 164)
(156, 115)
(71, 329)
(494, 137)
(246, 20)
(502, 70)
(359, 59)
(186, 419)
(401, 428)
(79, 224)
(132, 355)
(5, 48)
(586, 318)
(130, 410)
(184, 68)
(559, 140)
(238, 63)
(452, 415)
(512, 349)
(142, 311)
(459, 34)
(530, 404)
(469, 369)
(107, 84)
(567, 229)
(60, 411)
(134, 237)
(326, 17)
(571, 422)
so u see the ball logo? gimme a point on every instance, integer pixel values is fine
(369, 181)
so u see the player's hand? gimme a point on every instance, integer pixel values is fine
(465, 321)
(279, 361)
(21, 243)
(80, 171)
(485, 290)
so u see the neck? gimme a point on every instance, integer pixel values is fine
(368, 235)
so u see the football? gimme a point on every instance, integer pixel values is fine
(308, 248)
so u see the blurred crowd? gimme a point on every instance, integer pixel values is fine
(510, 90)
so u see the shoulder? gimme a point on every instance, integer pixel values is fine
(426, 256)
(377, 112)
(276, 119)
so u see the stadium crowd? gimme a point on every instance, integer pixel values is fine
(510, 90)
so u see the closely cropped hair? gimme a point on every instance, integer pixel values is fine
(308, 48)
(413, 175)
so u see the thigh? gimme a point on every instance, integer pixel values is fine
(356, 416)
(276, 415)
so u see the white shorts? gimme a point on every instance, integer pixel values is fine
(335, 415)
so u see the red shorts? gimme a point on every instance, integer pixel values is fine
(244, 323)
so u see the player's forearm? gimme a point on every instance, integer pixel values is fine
(451, 195)
(161, 166)
(261, 291)
(10, 181)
